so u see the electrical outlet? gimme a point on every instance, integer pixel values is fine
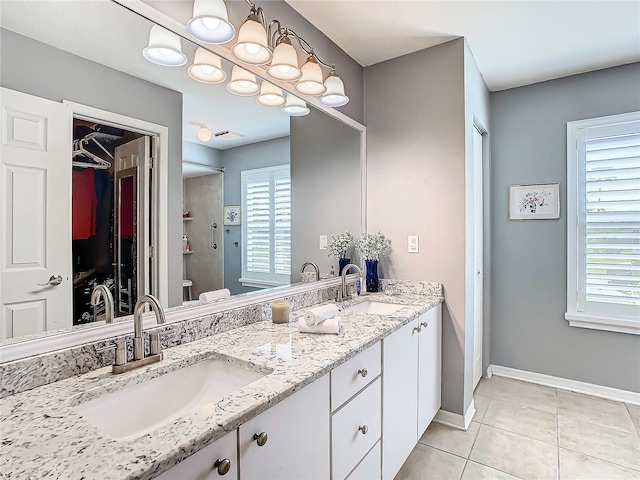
(413, 246)
(323, 242)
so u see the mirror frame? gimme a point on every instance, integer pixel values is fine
(51, 341)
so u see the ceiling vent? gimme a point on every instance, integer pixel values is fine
(228, 135)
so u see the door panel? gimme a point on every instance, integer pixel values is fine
(35, 215)
(478, 232)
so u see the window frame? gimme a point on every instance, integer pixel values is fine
(258, 279)
(580, 313)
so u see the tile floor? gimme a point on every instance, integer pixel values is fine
(527, 431)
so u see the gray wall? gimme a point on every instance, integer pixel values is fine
(256, 155)
(41, 70)
(325, 187)
(198, 153)
(416, 183)
(529, 269)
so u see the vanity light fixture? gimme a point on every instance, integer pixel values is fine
(270, 95)
(204, 134)
(210, 22)
(295, 107)
(206, 67)
(311, 81)
(284, 65)
(252, 46)
(334, 96)
(242, 82)
(164, 48)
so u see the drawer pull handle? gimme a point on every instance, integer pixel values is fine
(417, 329)
(425, 324)
(363, 372)
(223, 466)
(260, 438)
(364, 429)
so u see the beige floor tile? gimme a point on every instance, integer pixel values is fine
(634, 411)
(485, 387)
(526, 421)
(595, 410)
(427, 463)
(577, 466)
(475, 471)
(601, 442)
(524, 393)
(481, 403)
(515, 454)
(451, 439)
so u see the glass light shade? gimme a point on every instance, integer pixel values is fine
(210, 22)
(334, 96)
(311, 81)
(252, 47)
(164, 48)
(204, 134)
(270, 95)
(295, 107)
(284, 65)
(242, 82)
(206, 67)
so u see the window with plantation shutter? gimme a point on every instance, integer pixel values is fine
(603, 196)
(266, 226)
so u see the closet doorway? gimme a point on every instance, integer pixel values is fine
(203, 265)
(111, 181)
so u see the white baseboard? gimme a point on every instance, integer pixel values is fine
(609, 393)
(456, 420)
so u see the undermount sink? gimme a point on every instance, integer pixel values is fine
(138, 409)
(375, 308)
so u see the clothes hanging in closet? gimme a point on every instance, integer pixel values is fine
(84, 203)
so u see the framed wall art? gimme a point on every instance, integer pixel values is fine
(232, 215)
(534, 202)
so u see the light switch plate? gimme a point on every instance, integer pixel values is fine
(323, 242)
(413, 244)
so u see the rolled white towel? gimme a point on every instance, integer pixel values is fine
(317, 315)
(332, 325)
(208, 297)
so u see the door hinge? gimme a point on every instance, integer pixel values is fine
(151, 251)
(151, 162)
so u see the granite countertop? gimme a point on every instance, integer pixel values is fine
(43, 436)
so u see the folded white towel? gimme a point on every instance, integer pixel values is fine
(317, 315)
(332, 325)
(208, 297)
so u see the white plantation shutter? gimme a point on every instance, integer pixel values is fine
(607, 219)
(266, 226)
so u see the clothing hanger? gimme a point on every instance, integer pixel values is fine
(80, 151)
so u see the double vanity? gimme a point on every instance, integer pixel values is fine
(259, 401)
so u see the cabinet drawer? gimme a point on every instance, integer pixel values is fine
(369, 468)
(200, 464)
(349, 443)
(348, 379)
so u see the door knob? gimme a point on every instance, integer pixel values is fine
(223, 466)
(417, 329)
(260, 438)
(53, 281)
(364, 429)
(425, 324)
(363, 372)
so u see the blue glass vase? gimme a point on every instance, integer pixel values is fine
(372, 275)
(342, 262)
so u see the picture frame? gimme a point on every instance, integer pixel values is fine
(534, 201)
(232, 215)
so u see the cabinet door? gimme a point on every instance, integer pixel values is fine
(297, 437)
(209, 463)
(399, 397)
(430, 360)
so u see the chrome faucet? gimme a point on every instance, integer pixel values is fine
(138, 344)
(343, 292)
(105, 293)
(315, 267)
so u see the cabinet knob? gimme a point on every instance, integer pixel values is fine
(425, 324)
(363, 372)
(417, 329)
(364, 429)
(223, 466)
(260, 438)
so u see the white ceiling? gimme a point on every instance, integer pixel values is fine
(514, 42)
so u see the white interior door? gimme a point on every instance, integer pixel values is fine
(35, 215)
(478, 231)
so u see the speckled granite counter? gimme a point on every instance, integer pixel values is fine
(42, 436)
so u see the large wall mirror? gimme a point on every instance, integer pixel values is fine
(90, 54)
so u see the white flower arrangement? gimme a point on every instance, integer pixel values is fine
(340, 245)
(371, 246)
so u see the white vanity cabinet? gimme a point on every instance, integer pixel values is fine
(411, 387)
(289, 440)
(214, 462)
